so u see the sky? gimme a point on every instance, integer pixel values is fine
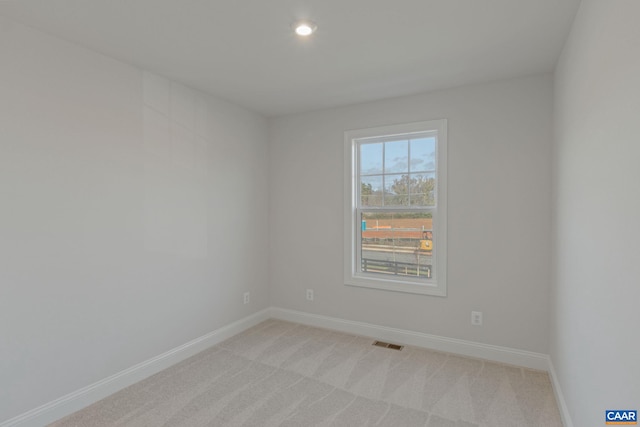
(420, 153)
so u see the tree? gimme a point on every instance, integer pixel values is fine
(417, 191)
(366, 189)
(368, 196)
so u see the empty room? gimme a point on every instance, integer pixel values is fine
(319, 213)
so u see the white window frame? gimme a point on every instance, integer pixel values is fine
(352, 234)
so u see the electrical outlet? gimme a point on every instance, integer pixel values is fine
(309, 294)
(247, 297)
(476, 318)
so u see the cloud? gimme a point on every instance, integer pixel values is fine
(375, 169)
(423, 164)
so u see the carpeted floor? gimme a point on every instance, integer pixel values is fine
(284, 374)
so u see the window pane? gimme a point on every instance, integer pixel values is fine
(423, 154)
(422, 189)
(396, 190)
(396, 157)
(371, 190)
(397, 244)
(370, 159)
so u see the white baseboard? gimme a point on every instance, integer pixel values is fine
(79, 399)
(494, 353)
(557, 390)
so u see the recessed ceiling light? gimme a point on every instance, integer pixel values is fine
(304, 28)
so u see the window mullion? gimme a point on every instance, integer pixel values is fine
(384, 177)
(409, 172)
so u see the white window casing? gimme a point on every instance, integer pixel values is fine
(399, 266)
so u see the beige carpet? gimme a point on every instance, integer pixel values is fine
(284, 374)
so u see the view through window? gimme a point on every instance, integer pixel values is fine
(397, 192)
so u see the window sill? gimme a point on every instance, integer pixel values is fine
(398, 286)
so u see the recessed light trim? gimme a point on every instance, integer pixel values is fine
(304, 28)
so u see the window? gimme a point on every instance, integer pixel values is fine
(395, 207)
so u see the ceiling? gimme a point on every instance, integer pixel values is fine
(364, 50)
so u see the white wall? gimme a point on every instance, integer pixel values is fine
(596, 320)
(133, 216)
(499, 137)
